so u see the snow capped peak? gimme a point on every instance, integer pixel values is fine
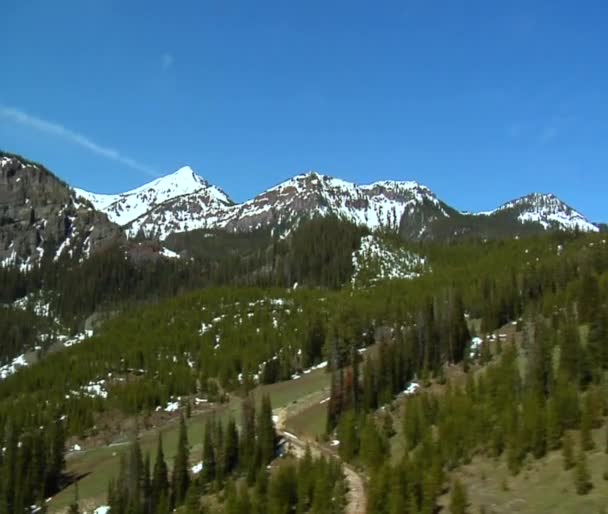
(549, 211)
(398, 184)
(184, 201)
(180, 182)
(125, 208)
(186, 178)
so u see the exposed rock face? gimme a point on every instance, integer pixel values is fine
(378, 205)
(39, 213)
(37, 209)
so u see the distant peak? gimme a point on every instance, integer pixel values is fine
(184, 170)
(186, 173)
(309, 175)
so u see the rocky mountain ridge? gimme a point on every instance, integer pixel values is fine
(407, 207)
(41, 216)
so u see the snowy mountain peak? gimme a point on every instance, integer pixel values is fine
(126, 207)
(185, 177)
(549, 211)
(184, 201)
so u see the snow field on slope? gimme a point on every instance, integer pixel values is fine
(377, 260)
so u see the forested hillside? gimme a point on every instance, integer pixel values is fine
(254, 327)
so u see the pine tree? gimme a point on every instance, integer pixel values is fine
(570, 353)
(246, 448)
(160, 480)
(135, 472)
(554, 429)
(589, 299)
(567, 452)
(582, 480)
(193, 501)
(180, 478)
(597, 340)
(266, 436)
(586, 425)
(209, 472)
(458, 498)
(397, 501)
(231, 447)
(146, 486)
(348, 436)
(372, 446)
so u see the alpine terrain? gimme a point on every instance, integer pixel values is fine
(324, 347)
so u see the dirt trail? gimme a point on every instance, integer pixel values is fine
(356, 496)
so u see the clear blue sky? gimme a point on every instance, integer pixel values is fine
(482, 101)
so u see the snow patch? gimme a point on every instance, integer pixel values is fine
(377, 260)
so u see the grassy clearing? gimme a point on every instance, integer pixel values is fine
(97, 466)
(282, 394)
(310, 422)
(543, 486)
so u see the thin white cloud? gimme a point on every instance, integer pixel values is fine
(48, 127)
(166, 60)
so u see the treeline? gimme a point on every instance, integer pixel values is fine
(19, 329)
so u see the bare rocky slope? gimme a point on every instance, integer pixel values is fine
(42, 216)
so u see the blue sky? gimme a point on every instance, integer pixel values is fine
(481, 101)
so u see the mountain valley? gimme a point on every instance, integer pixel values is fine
(366, 349)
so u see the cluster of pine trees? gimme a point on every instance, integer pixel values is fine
(440, 335)
(32, 465)
(143, 487)
(499, 413)
(314, 486)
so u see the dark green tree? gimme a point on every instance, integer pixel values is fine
(180, 478)
(458, 498)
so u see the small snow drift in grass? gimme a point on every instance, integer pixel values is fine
(104, 509)
(197, 468)
(172, 407)
(77, 339)
(377, 259)
(92, 390)
(476, 343)
(411, 389)
(8, 369)
(169, 254)
(96, 389)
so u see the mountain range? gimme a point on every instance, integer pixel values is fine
(183, 201)
(40, 213)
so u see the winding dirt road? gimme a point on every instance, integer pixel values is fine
(356, 496)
